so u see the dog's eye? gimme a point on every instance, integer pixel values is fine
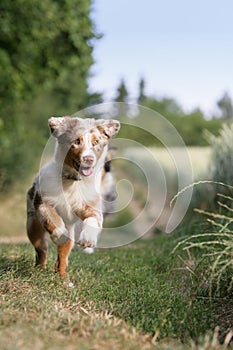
(95, 142)
(77, 141)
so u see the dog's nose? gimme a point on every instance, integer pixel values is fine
(88, 159)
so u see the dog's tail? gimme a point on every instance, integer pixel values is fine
(109, 194)
(108, 159)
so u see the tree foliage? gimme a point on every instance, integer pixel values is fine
(45, 44)
(225, 105)
(191, 126)
(45, 49)
(141, 95)
(122, 92)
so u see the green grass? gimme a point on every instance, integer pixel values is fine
(123, 298)
(136, 297)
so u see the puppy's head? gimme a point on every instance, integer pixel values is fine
(83, 140)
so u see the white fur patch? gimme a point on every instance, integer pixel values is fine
(88, 250)
(88, 147)
(71, 285)
(90, 232)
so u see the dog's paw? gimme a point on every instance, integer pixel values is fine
(87, 244)
(60, 236)
(89, 250)
(88, 238)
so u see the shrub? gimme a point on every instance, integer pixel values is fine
(220, 171)
(222, 155)
(216, 246)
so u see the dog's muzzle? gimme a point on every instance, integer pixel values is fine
(85, 171)
(86, 166)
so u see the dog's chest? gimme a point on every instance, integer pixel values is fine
(74, 198)
(69, 197)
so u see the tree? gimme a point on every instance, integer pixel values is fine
(226, 106)
(167, 107)
(141, 96)
(45, 44)
(45, 47)
(122, 93)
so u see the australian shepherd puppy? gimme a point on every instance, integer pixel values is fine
(66, 200)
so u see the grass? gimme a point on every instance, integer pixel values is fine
(200, 158)
(12, 206)
(139, 296)
(127, 298)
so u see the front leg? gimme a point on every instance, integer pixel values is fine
(63, 253)
(91, 229)
(51, 221)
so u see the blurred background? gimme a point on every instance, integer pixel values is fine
(59, 57)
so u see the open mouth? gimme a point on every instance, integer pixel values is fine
(86, 171)
(82, 169)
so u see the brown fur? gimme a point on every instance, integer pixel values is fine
(87, 211)
(37, 236)
(62, 257)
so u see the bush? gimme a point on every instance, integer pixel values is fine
(216, 202)
(221, 164)
(216, 245)
(220, 171)
(222, 155)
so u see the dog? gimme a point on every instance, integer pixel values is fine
(67, 200)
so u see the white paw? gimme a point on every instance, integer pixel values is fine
(88, 250)
(88, 237)
(87, 244)
(60, 236)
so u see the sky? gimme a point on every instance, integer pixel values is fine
(182, 48)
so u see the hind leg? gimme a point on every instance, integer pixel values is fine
(38, 238)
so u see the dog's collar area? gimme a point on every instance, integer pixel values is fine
(72, 177)
(76, 165)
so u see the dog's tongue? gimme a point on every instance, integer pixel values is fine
(87, 171)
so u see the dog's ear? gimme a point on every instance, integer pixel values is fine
(108, 128)
(58, 125)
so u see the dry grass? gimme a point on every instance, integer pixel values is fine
(199, 156)
(13, 216)
(68, 325)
